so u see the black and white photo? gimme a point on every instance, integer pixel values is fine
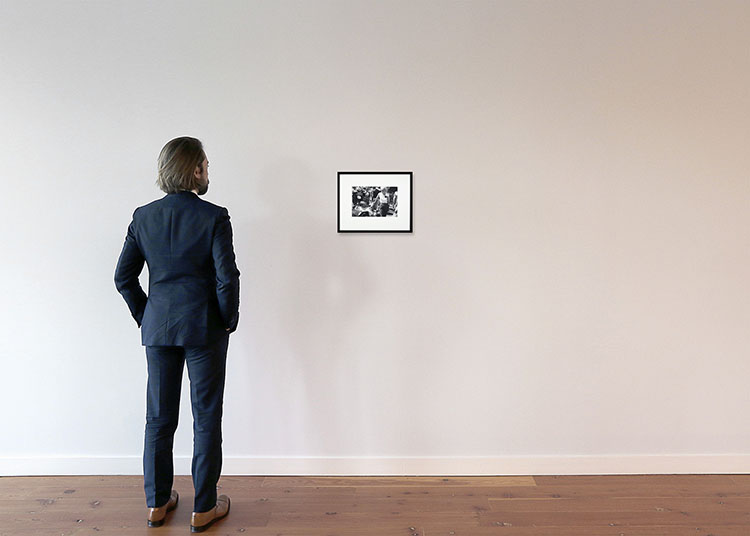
(374, 201)
(377, 201)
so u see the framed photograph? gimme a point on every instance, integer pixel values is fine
(374, 201)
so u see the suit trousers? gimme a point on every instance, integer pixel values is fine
(207, 373)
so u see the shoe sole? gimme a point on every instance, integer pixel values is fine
(193, 528)
(159, 523)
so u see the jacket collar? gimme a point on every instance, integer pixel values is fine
(183, 192)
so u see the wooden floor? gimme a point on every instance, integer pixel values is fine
(626, 505)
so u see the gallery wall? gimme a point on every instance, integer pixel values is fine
(573, 297)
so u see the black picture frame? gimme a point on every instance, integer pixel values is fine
(359, 211)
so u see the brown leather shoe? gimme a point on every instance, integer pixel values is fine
(202, 520)
(156, 516)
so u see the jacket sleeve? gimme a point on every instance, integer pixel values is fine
(129, 267)
(227, 274)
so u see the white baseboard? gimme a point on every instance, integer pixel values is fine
(391, 466)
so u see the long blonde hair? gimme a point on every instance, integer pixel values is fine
(177, 162)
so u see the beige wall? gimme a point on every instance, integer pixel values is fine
(577, 279)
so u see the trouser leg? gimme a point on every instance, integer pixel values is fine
(207, 371)
(165, 365)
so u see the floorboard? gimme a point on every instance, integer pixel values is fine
(605, 505)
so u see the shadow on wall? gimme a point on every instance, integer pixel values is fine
(305, 290)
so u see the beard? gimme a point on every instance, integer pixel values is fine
(203, 188)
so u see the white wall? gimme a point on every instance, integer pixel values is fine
(574, 296)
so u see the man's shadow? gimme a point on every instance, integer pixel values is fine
(302, 289)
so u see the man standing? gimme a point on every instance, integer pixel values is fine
(381, 202)
(191, 308)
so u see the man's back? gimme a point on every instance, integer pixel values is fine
(191, 308)
(193, 280)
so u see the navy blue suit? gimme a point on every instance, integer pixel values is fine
(191, 307)
(194, 285)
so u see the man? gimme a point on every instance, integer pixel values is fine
(191, 308)
(381, 203)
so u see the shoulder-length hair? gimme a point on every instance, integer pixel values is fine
(177, 162)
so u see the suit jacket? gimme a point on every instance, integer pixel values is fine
(194, 284)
